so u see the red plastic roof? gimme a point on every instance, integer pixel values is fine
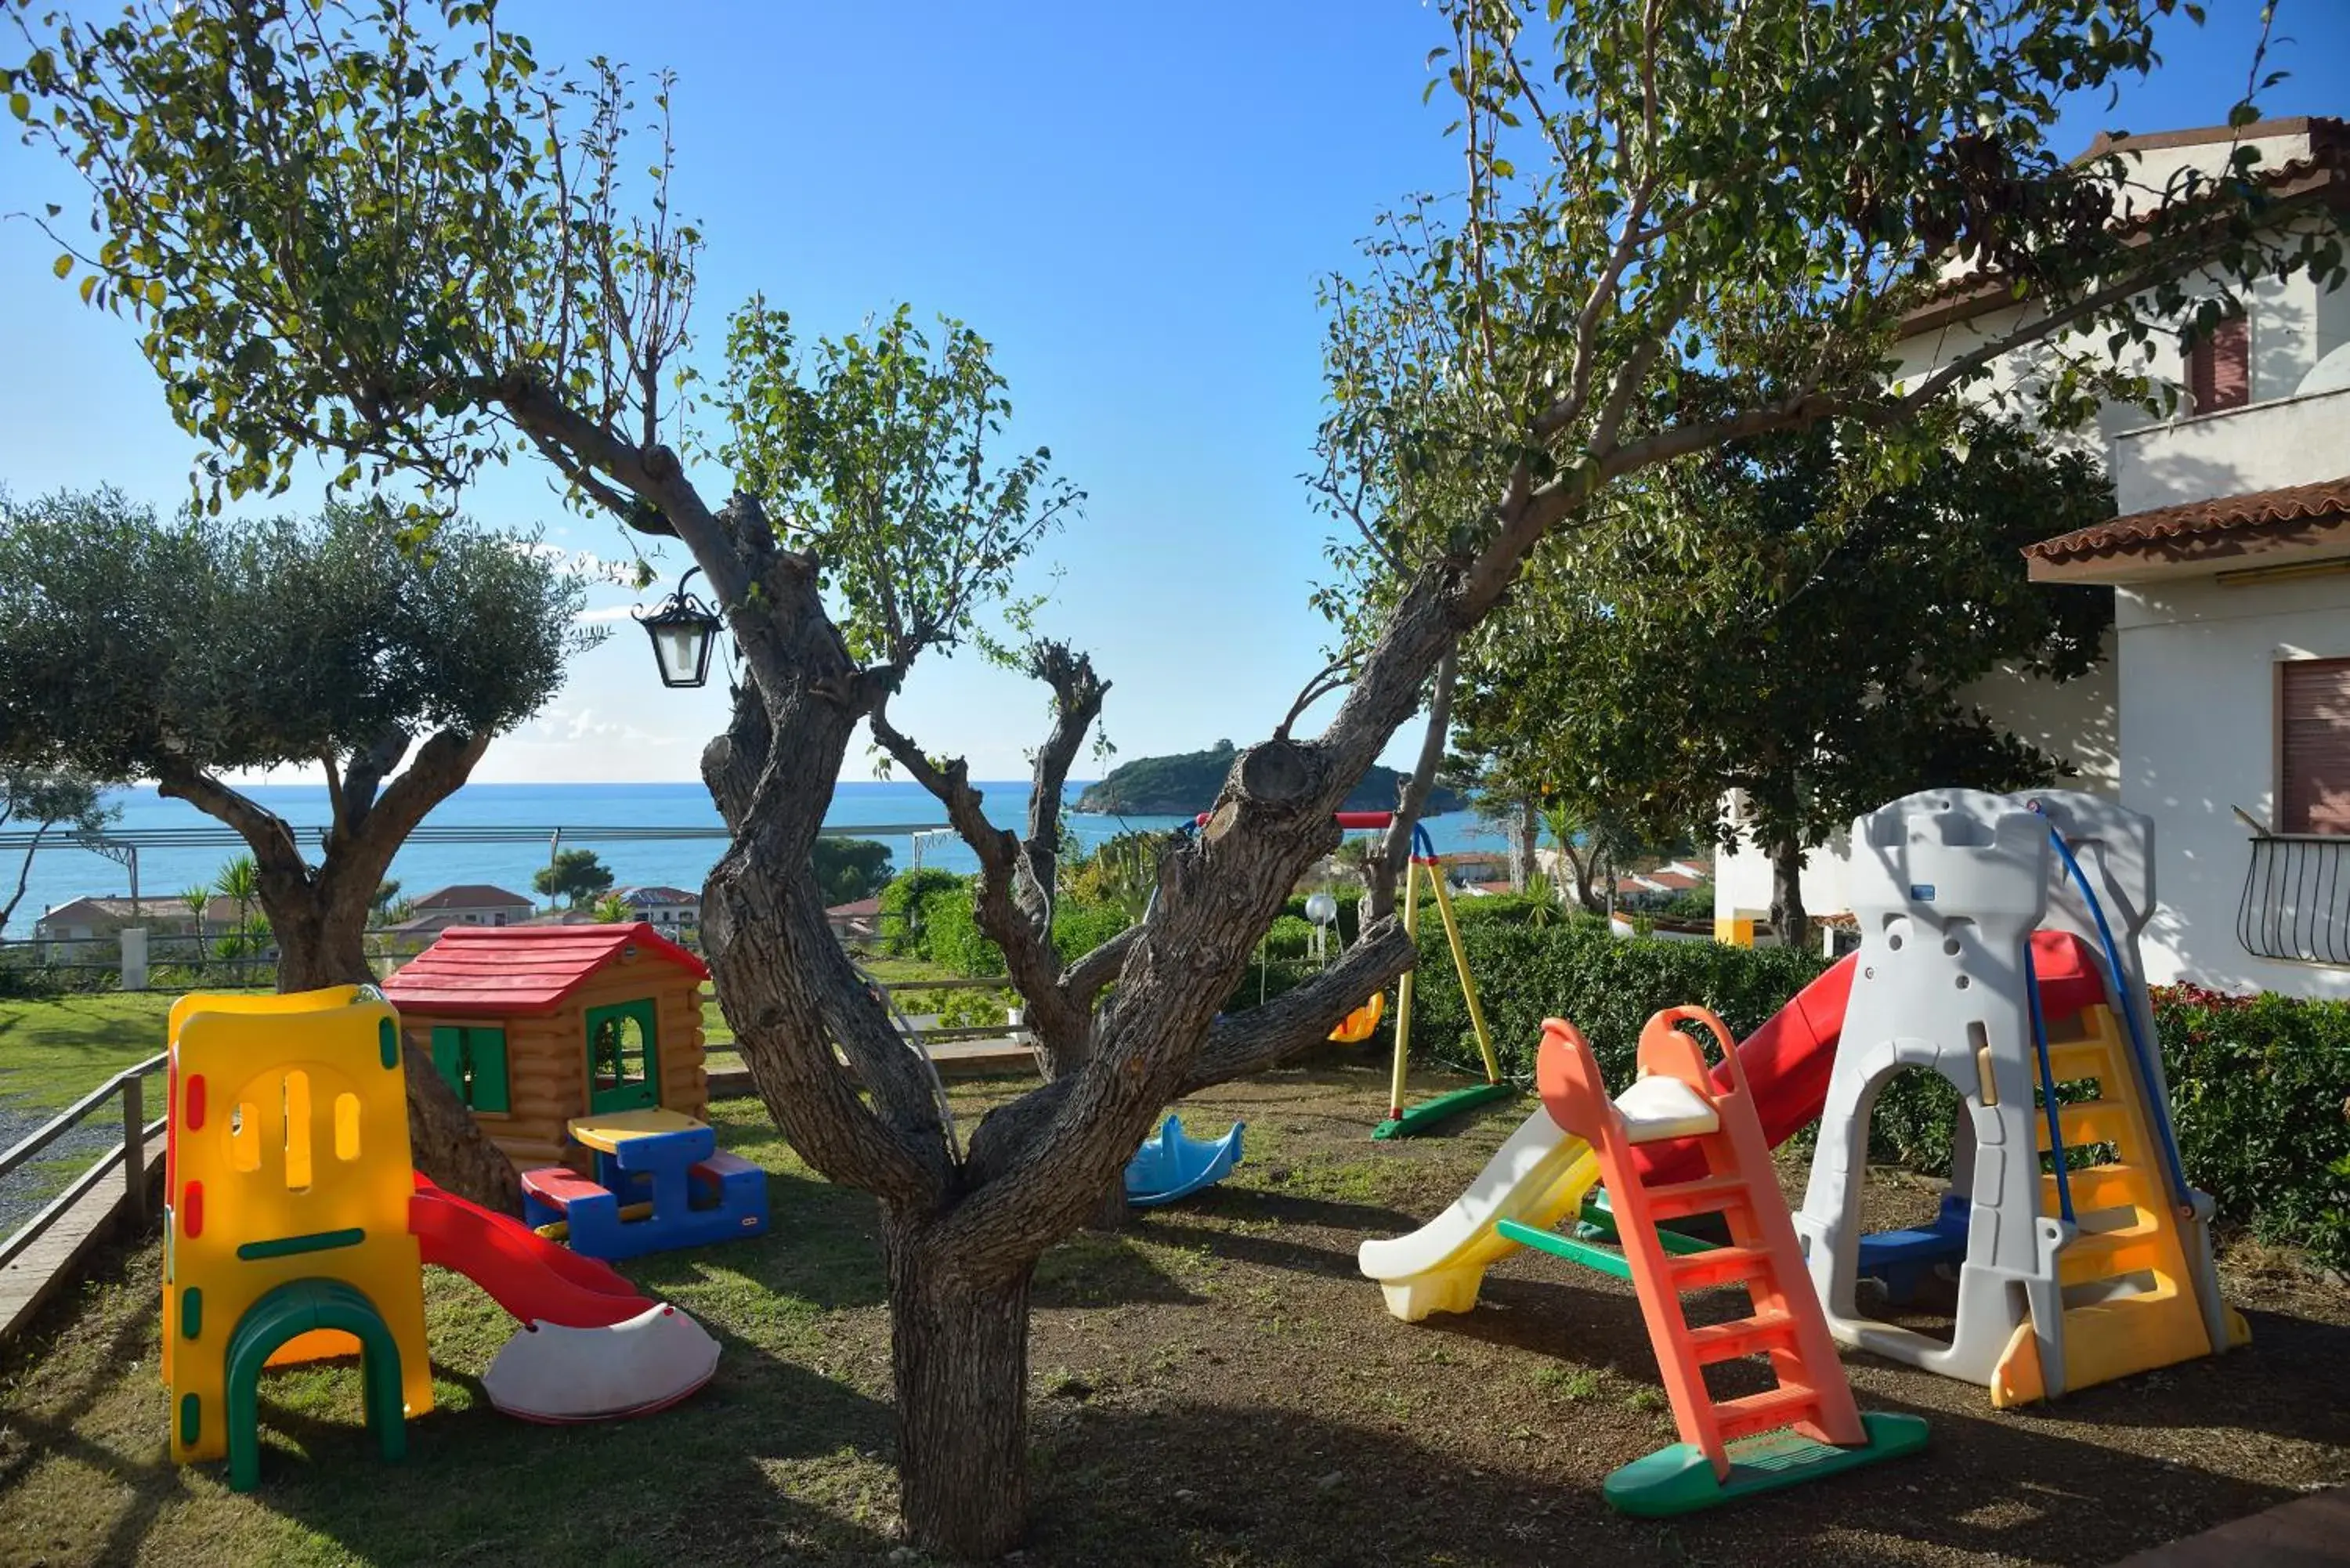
(501, 970)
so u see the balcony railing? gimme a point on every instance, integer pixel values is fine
(2296, 903)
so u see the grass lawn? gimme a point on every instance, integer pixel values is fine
(1214, 1385)
(52, 1053)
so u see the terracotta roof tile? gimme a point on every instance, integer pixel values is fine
(2223, 516)
(500, 970)
(1974, 292)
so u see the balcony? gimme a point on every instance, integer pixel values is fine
(2296, 903)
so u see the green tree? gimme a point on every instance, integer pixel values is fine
(48, 802)
(575, 877)
(388, 907)
(611, 910)
(239, 881)
(180, 650)
(1814, 658)
(341, 233)
(847, 869)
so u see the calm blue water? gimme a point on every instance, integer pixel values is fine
(64, 873)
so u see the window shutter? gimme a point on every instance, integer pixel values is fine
(489, 1052)
(2220, 367)
(2314, 796)
(449, 1057)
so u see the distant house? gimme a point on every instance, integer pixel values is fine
(473, 904)
(1467, 867)
(563, 918)
(666, 910)
(855, 923)
(101, 919)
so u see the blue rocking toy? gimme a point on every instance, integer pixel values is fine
(1171, 1165)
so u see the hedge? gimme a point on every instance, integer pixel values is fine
(2260, 1085)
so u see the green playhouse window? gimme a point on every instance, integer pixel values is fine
(623, 1063)
(472, 1058)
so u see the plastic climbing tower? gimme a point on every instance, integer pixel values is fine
(1806, 1425)
(1999, 950)
(286, 1235)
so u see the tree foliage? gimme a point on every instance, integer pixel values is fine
(1814, 655)
(847, 869)
(141, 647)
(576, 877)
(46, 803)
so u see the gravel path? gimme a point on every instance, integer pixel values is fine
(24, 1191)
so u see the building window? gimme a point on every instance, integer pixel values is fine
(2220, 366)
(2313, 751)
(472, 1058)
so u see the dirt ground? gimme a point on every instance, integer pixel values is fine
(1217, 1384)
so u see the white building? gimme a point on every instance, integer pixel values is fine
(669, 910)
(471, 904)
(2229, 688)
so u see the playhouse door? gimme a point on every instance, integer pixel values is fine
(623, 1058)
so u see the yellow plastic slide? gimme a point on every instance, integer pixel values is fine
(1537, 1179)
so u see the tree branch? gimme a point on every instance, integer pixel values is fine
(1029, 956)
(1245, 1043)
(1395, 853)
(1077, 694)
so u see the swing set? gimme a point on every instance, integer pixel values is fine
(1403, 1122)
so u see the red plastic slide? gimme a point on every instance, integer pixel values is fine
(524, 1272)
(1790, 1059)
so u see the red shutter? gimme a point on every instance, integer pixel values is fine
(2220, 367)
(2313, 796)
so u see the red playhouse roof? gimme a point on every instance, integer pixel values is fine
(501, 970)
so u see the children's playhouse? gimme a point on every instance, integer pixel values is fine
(536, 1026)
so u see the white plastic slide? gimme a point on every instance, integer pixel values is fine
(1537, 1179)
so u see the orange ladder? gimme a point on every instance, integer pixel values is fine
(1807, 1424)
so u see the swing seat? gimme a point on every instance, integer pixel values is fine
(1359, 1023)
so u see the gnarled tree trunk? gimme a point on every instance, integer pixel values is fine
(958, 1364)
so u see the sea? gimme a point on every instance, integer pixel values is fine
(65, 872)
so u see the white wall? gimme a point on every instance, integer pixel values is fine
(2261, 446)
(2076, 722)
(2199, 731)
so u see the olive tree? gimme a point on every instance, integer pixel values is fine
(341, 234)
(48, 801)
(185, 649)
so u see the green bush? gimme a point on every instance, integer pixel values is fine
(1573, 969)
(902, 905)
(2259, 1089)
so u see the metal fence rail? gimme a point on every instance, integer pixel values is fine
(2296, 902)
(129, 1155)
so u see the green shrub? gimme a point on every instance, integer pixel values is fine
(2260, 1087)
(1606, 985)
(902, 902)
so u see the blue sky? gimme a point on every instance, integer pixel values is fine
(1132, 203)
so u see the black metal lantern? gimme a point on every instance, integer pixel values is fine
(683, 631)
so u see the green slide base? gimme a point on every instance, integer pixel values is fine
(1424, 1118)
(1587, 1245)
(1678, 1480)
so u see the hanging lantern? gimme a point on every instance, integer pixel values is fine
(683, 631)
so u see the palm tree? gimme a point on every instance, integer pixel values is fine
(199, 902)
(611, 910)
(239, 880)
